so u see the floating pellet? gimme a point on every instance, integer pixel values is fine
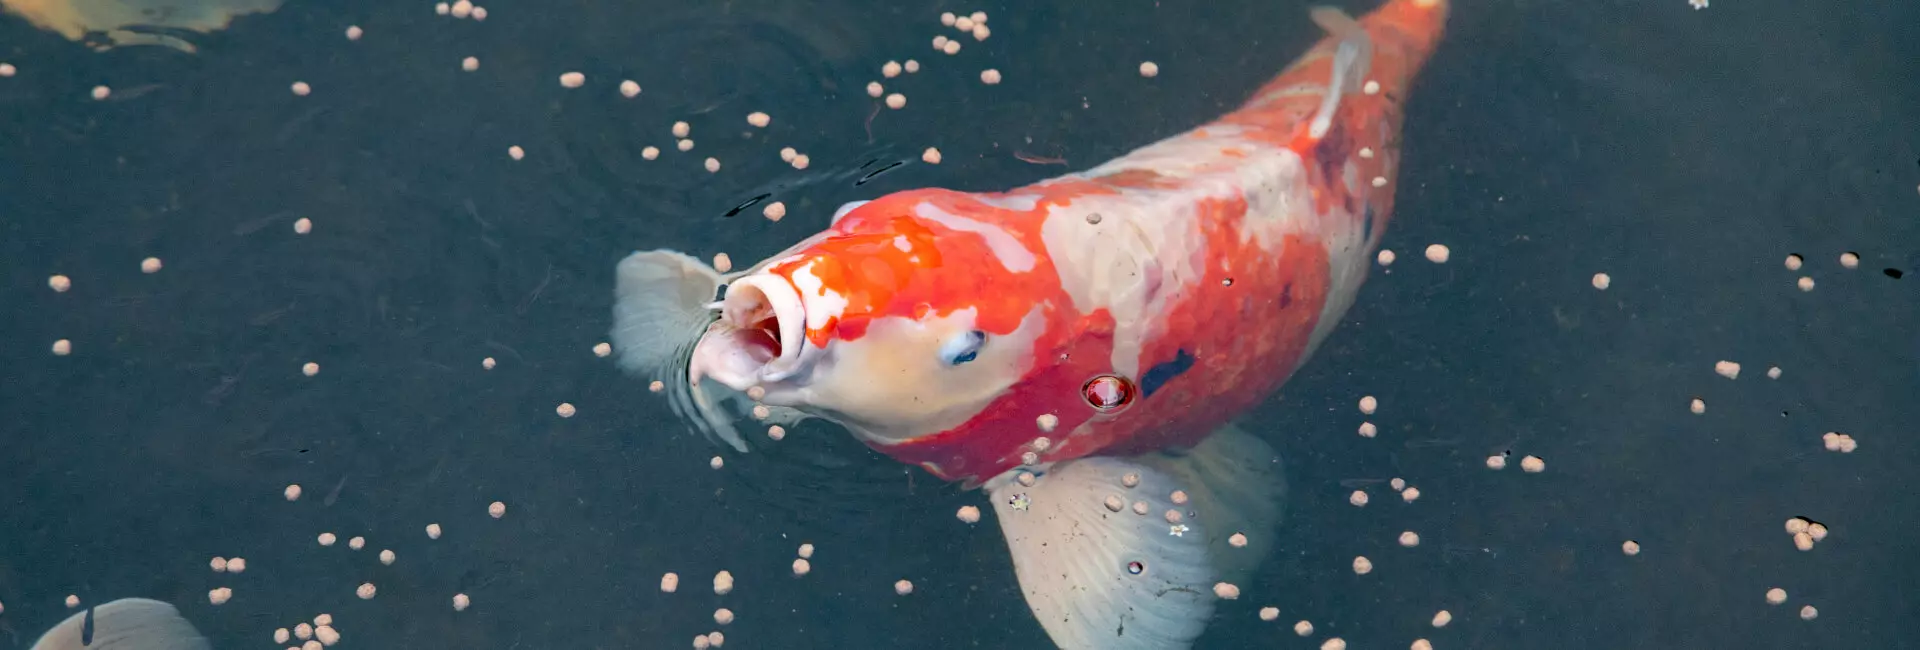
(62, 347)
(572, 80)
(1410, 495)
(433, 531)
(1439, 253)
(896, 101)
(717, 462)
(1533, 465)
(890, 70)
(774, 211)
(903, 587)
(1149, 69)
(1368, 430)
(932, 157)
(801, 566)
(759, 119)
(1698, 406)
(1442, 618)
(669, 582)
(968, 514)
(59, 283)
(712, 165)
(471, 64)
(237, 565)
(1805, 284)
(357, 543)
(685, 144)
(912, 66)
(1630, 547)
(327, 539)
(650, 153)
(776, 432)
(326, 635)
(386, 557)
(1496, 462)
(1303, 628)
(216, 596)
(516, 153)
(565, 410)
(722, 583)
(487, 363)
(365, 591)
(1850, 260)
(1362, 565)
(101, 93)
(292, 493)
(1727, 369)
(1237, 540)
(1601, 281)
(1808, 613)
(1386, 257)
(1368, 404)
(150, 265)
(461, 602)
(301, 89)
(990, 77)
(1409, 539)
(496, 510)
(1226, 590)
(1793, 262)
(1358, 498)
(1776, 596)
(218, 564)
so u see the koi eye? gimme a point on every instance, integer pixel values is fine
(963, 347)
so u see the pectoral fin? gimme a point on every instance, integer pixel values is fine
(1076, 554)
(125, 624)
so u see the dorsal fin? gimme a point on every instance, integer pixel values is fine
(1350, 61)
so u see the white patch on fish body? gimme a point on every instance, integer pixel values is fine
(822, 304)
(1012, 254)
(1015, 201)
(1147, 238)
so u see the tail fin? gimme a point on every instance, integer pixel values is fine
(1098, 574)
(125, 624)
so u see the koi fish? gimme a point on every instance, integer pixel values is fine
(124, 624)
(1079, 347)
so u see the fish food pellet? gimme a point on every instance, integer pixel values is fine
(218, 564)
(101, 92)
(237, 565)
(1226, 591)
(1362, 565)
(326, 635)
(1776, 596)
(1409, 539)
(1303, 628)
(1808, 613)
(874, 89)
(903, 587)
(496, 510)
(1335, 643)
(685, 144)
(776, 433)
(722, 583)
(1533, 465)
(1601, 281)
(759, 119)
(990, 77)
(1269, 613)
(669, 582)
(896, 101)
(310, 369)
(282, 635)
(572, 80)
(150, 265)
(1793, 262)
(292, 493)
(1698, 406)
(722, 616)
(629, 88)
(1796, 526)
(1149, 69)
(1410, 494)
(1630, 547)
(1496, 462)
(712, 165)
(1236, 540)
(386, 557)
(1358, 498)
(602, 349)
(62, 348)
(433, 531)
(1726, 369)
(1442, 618)
(774, 211)
(912, 66)
(805, 550)
(968, 514)
(487, 363)
(1439, 254)
(1368, 404)
(565, 410)
(1805, 284)
(717, 462)
(1368, 430)
(301, 89)
(1421, 644)
(60, 283)
(471, 64)
(302, 226)
(461, 602)
(357, 543)
(890, 70)
(801, 567)
(931, 156)
(218, 596)
(327, 539)
(366, 591)
(1850, 260)
(1386, 257)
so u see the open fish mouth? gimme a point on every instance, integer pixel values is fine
(758, 339)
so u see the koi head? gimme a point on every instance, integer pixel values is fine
(902, 321)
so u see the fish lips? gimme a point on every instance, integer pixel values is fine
(759, 341)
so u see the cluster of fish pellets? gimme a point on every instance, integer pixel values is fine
(1805, 532)
(318, 634)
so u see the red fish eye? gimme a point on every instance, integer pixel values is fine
(1108, 392)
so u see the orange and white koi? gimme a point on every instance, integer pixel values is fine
(1049, 342)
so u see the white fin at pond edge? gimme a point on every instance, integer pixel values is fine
(125, 624)
(660, 310)
(1072, 552)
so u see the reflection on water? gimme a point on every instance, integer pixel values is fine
(105, 23)
(360, 292)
